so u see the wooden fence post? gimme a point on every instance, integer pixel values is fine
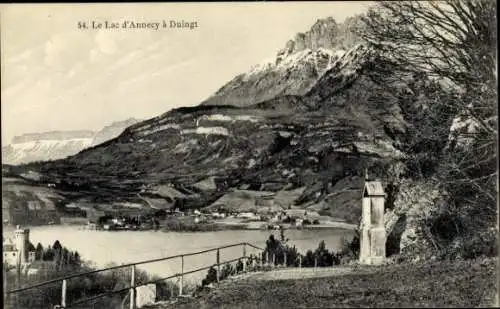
(63, 295)
(132, 288)
(244, 258)
(261, 260)
(274, 260)
(315, 262)
(284, 260)
(17, 285)
(300, 261)
(6, 296)
(218, 265)
(267, 258)
(181, 282)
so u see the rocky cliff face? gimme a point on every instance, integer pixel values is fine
(111, 131)
(57, 144)
(324, 34)
(295, 69)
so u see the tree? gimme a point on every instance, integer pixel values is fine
(65, 256)
(445, 54)
(453, 42)
(227, 271)
(272, 246)
(211, 277)
(280, 249)
(31, 247)
(76, 258)
(309, 259)
(38, 252)
(57, 245)
(239, 266)
(48, 254)
(323, 256)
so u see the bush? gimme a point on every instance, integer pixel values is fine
(227, 270)
(321, 257)
(210, 278)
(280, 249)
(239, 266)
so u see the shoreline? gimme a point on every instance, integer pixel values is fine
(214, 227)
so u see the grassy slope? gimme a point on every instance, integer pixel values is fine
(431, 284)
(25, 201)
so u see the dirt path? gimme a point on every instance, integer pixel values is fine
(304, 273)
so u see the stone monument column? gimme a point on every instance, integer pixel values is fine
(377, 231)
(372, 230)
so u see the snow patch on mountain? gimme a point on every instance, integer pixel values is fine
(207, 131)
(226, 118)
(296, 60)
(39, 150)
(146, 130)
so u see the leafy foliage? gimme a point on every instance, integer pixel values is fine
(320, 257)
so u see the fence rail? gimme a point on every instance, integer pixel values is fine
(133, 284)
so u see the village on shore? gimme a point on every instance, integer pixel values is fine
(265, 218)
(237, 209)
(196, 220)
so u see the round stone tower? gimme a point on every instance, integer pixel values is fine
(22, 239)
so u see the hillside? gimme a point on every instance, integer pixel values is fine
(467, 284)
(322, 140)
(22, 202)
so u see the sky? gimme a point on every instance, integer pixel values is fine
(57, 77)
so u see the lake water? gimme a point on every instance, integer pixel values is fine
(121, 247)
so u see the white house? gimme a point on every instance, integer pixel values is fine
(218, 215)
(248, 215)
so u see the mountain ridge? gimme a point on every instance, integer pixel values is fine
(295, 69)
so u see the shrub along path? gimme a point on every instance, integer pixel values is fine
(427, 284)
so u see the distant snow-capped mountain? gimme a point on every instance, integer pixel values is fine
(58, 144)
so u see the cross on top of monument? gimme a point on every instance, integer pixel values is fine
(366, 174)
